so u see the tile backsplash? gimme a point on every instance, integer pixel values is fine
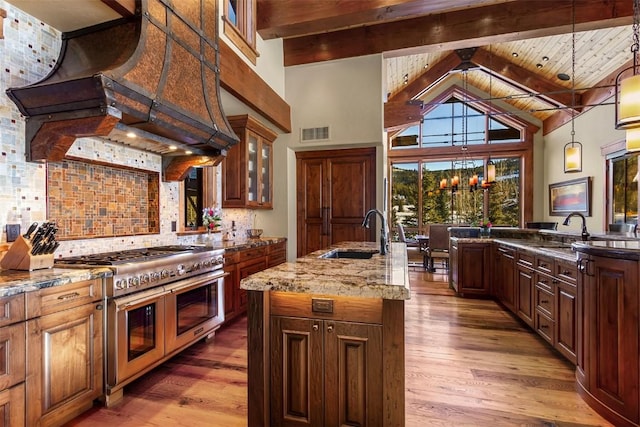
(90, 200)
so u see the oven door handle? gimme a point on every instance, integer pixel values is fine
(125, 302)
(196, 281)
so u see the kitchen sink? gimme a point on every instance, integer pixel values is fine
(351, 254)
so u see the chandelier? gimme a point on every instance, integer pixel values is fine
(628, 90)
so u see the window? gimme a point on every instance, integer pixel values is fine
(455, 123)
(623, 191)
(240, 26)
(193, 203)
(458, 139)
(197, 192)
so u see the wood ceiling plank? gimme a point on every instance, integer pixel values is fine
(285, 18)
(459, 29)
(427, 79)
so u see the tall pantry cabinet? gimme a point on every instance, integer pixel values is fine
(334, 191)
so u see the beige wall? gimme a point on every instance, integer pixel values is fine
(593, 129)
(345, 95)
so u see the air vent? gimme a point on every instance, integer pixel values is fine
(315, 134)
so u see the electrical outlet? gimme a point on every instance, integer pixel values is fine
(13, 231)
(174, 225)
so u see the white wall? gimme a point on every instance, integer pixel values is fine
(594, 129)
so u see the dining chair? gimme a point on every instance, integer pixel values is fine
(413, 246)
(438, 246)
(621, 227)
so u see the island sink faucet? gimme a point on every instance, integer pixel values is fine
(384, 237)
(585, 234)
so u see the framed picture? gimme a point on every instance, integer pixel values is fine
(570, 196)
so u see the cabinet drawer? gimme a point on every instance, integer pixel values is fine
(248, 254)
(544, 327)
(365, 310)
(545, 301)
(12, 346)
(545, 281)
(58, 298)
(525, 260)
(11, 309)
(567, 271)
(231, 258)
(12, 406)
(544, 264)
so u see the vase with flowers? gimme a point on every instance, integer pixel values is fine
(485, 229)
(211, 218)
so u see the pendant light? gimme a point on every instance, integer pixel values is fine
(573, 149)
(628, 90)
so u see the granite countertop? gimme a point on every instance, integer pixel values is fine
(622, 249)
(246, 243)
(14, 282)
(385, 277)
(534, 246)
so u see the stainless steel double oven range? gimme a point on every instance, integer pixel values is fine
(159, 300)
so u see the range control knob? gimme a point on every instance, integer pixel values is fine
(219, 260)
(119, 284)
(144, 278)
(164, 274)
(133, 281)
(180, 270)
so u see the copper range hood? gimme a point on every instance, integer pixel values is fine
(154, 74)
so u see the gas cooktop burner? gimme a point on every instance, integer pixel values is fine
(129, 255)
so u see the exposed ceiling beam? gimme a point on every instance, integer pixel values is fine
(520, 77)
(285, 18)
(460, 29)
(604, 90)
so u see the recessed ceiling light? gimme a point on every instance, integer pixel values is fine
(514, 54)
(188, 152)
(131, 135)
(173, 147)
(538, 65)
(564, 77)
(545, 58)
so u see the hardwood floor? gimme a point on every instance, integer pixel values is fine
(468, 363)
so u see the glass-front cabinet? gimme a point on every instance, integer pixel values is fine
(247, 169)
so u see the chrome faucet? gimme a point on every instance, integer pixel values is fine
(384, 233)
(585, 234)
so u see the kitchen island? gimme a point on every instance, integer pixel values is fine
(326, 338)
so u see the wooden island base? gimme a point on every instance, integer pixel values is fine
(317, 360)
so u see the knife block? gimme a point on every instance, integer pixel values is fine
(19, 257)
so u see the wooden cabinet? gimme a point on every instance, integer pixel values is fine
(328, 361)
(247, 169)
(525, 292)
(12, 362)
(609, 337)
(325, 373)
(242, 263)
(335, 189)
(545, 312)
(566, 320)
(276, 254)
(505, 267)
(470, 268)
(65, 351)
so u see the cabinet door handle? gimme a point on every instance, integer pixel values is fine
(325, 221)
(69, 296)
(330, 328)
(316, 327)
